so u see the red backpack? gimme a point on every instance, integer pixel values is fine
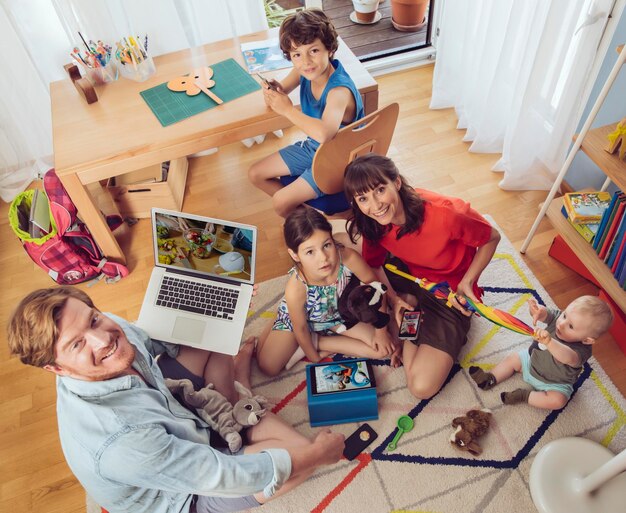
(68, 253)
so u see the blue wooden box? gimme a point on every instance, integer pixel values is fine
(341, 391)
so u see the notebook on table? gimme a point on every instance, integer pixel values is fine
(201, 286)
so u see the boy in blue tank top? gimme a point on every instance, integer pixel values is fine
(328, 100)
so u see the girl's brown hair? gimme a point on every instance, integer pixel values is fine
(304, 27)
(301, 224)
(364, 174)
(32, 329)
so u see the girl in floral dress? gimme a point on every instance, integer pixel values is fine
(308, 315)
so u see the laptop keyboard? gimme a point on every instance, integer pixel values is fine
(204, 299)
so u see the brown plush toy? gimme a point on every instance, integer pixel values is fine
(360, 303)
(473, 425)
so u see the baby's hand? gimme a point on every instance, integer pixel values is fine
(542, 336)
(537, 312)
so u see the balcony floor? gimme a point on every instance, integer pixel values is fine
(372, 41)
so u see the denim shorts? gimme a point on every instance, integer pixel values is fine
(173, 369)
(566, 389)
(299, 158)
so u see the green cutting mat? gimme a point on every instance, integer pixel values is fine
(231, 82)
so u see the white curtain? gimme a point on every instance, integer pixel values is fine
(36, 37)
(517, 71)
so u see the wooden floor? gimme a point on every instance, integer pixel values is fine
(372, 41)
(33, 474)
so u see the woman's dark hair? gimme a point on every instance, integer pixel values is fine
(301, 224)
(364, 174)
(304, 27)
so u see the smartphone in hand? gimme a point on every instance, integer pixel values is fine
(409, 329)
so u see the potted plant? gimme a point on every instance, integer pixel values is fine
(408, 15)
(365, 11)
(275, 14)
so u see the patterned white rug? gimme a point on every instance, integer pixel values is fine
(426, 473)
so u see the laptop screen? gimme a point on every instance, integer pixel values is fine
(203, 245)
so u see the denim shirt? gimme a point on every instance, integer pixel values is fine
(133, 447)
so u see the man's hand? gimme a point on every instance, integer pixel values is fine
(537, 312)
(329, 446)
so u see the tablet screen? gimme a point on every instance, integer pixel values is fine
(341, 376)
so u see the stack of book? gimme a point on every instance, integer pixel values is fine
(584, 211)
(610, 239)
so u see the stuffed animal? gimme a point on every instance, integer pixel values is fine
(474, 424)
(221, 416)
(360, 303)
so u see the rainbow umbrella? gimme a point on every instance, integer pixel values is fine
(442, 291)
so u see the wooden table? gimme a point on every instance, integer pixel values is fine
(119, 133)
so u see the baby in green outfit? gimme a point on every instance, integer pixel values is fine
(552, 369)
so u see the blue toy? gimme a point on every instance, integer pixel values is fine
(342, 391)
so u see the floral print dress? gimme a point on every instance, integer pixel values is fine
(322, 312)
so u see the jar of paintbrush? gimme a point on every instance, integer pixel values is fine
(133, 60)
(96, 63)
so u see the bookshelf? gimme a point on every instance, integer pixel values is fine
(593, 143)
(585, 252)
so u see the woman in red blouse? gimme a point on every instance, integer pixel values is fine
(430, 236)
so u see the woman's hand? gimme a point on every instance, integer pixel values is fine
(398, 306)
(481, 259)
(465, 288)
(278, 101)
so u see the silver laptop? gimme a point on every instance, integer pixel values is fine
(201, 286)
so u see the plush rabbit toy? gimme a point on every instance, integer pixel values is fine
(221, 416)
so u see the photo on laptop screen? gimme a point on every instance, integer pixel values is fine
(224, 249)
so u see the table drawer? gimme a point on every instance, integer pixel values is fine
(136, 199)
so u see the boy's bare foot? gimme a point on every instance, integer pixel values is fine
(242, 361)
